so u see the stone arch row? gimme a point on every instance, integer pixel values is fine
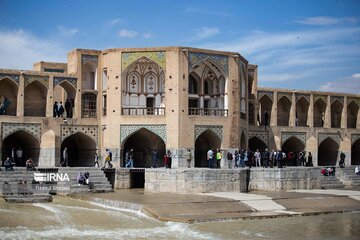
(302, 102)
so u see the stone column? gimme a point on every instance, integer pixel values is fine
(50, 98)
(358, 120)
(327, 123)
(178, 159)
(343, 123)
(201, 103)
(310, 116)
(273, 120)
(20, 97)
(292, 117)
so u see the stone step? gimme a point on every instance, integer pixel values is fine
(34, 198)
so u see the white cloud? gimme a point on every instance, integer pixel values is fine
(20, 49)
(348, 84)
(206, 32)
(324, 21)
(125, 33)
(115, 21)
(67, 32)
(148, 35)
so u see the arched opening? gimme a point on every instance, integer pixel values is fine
(302, 108)
(292, 145)
(355, 153)
(29, 145)
(144, 142)
(81, 150)
(243, 141)
(65, 93)
(8, 89)
(352, 113)
(193, 85)
(319, 113)
(89, 75)
(35, 99)
(284, 105)
(265, 110)
(206, 141)
(328, 152)
(336, 109)
(255, 143)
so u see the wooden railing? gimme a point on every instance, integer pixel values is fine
(208, 112)
(143, 111)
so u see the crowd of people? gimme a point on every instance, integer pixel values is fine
(59, 110)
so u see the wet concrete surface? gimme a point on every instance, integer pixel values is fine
(222, 206)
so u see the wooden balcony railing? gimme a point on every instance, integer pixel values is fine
(143, 111)
(208, 112)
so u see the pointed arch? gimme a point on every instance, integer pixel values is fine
(255, 143)
(194, 83)
(89, 76)
(35, 98)
(319, 112)
(204, 142)
(265, 109)
(352, 113)
(302, 108)
(81, 150)
(27, 142)
(9, 89)
(328, 152)
(283, 114)
(143, 142)
(336, 111)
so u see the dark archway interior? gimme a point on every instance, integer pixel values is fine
(294, 145)
(81, 150)
(328, 152)
(255, 143)
(284, 105)
(319, 110)
(27, 142)
(336, 110)
(352, 113)
(144, 142)
(206, 141)
(9, 89)
(302, 107)
(266, 105)
(35, 99)
(355, 153)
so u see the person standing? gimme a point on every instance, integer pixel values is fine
(65, 156)
(6, 104)
(210, 158)
(154, 158)
(218, 158)
(68, 108)
(309, 160)
(169, 154)
(342, 159)
(229, 159)
(271, 158)
(55, 109)
(257, 156)
(96, 162)
(237, 159)
(188, 158)
(60, 110)
(265, 158)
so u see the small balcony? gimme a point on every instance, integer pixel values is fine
(208, 112)
(143, 111)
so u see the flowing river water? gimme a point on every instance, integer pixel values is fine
(67, 218)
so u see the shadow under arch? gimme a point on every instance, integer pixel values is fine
(328, 152)
(206, 141)
(256, 143)
(9, 89)
(35, 99)
(143, 141)
(29, 144)
(355, 153)
(293, 144)
(81, 150)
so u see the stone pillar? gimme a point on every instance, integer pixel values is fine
(273, 120)
(358, 120)
(178, 159)
(310, 116)
(50, 98)
(20, 97)
(327, 123)
(201, 104)
(292, 117)
(343, 123)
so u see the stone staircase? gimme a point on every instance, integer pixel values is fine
(98, 181)
(348, 177)
(331, 182)
(13, 192)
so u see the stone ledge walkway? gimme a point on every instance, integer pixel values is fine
(192, 208)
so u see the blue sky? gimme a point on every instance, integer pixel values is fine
(307, 44)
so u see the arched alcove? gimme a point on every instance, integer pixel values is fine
(284, 105)
(35, 99)
(302, 108)
(256, 143)
(352, 113)
(9, 89)
(319, 113)
(265, 109)
(336, 109)
(206, 141)
(328, 152)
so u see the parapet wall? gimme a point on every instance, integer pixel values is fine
(196, 180)
(289, 178)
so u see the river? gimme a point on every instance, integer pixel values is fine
(67, 218)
